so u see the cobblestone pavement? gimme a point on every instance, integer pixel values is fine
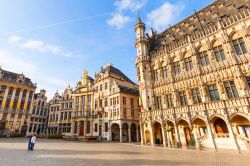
(63, 153)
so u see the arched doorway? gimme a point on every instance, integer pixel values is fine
(185, 132)
(133, 132)
(157, 133)
(220, 127)
(241, 125)
(199, 127)
(125, 132)
(147, 137)
(115, 132)
(169, 127)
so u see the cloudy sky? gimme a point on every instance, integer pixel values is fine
(53, 41)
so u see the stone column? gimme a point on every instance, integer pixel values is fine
(85, 128)
(109, 134)
(211, 135)
(176, 128)
(142, 134)
(120, 134)
(163, 135)
(72, 128)
(232, 136)
(152, 136)
(129, 134)
(137, 133)
(91, 127)
(78, 125)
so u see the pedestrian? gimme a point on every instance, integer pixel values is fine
(33, 141)
(29, 143)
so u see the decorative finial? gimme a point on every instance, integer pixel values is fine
(139, 18)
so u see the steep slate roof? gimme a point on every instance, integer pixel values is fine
(11, 76)
(127, 90)
(112, 70)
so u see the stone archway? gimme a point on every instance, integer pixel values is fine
(125, 132)
(199, 127)
(147, 137)
(115, 131)
(185, 132)
(157, 133)
(133, 132)
(220, 127)
(241, 125)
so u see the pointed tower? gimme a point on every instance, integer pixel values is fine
(143, 66)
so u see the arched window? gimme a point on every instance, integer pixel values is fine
(239, 46)
(218, 51)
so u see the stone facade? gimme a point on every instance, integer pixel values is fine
(105, 108)
(16, 98)
(39, 114)
(194, 79)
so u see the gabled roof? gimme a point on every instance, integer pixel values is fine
(113, 70)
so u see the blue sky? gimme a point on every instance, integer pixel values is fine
(53, 41)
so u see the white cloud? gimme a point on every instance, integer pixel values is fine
(118, 20)
(16, 64)
(40, 46)
(166, 14)
(12, 63)
(14, 39)
(133, 5)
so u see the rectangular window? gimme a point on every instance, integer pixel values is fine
(169, 101)
(219, 53)
(124, 113)
(196, 95)
(124, 100)
(100, 87)
(164, 72)
(106, 127)
(183, 98)
(95, 127)
(188, 63)
(105, 102)
(239, 46)
(231, 89)
(106, 85)
(177, 67)
(204, 58)
(248, 81)
(88, 126)
(213, 92)
(158, 102)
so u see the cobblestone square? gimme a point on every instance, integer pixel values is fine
(13, 152)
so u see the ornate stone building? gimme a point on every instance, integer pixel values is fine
(102, 108)
(116, 106)
(82, 121)
(194, 79)
(39, 114)
(54, 114)
(16, 97)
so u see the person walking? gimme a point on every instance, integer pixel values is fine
(29, 143)
(33, 141)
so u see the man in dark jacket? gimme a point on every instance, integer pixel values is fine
(29, 144)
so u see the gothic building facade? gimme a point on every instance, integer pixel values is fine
(194, 79)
